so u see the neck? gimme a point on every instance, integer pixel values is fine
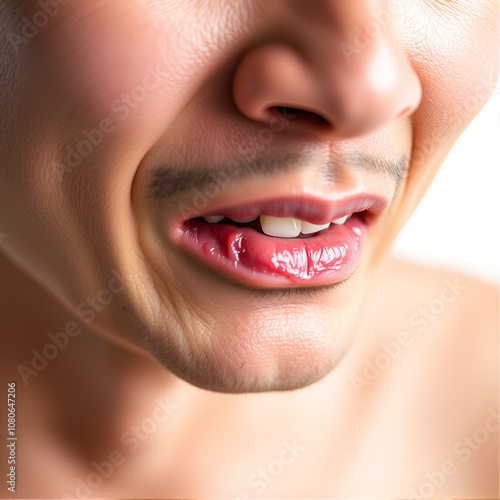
(91, 387)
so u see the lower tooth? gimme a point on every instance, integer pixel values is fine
(213, 219)
(250, 219)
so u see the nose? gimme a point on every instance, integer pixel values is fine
(342, 70)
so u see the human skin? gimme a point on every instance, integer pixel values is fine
(72, 228)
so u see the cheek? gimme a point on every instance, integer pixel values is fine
(455, 55)
(111, 59)
(97, 54)
(454, 50)
(134, 64)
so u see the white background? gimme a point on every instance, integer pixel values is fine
(457, 224)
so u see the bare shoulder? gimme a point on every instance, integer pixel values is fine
(434, 351)
(443, 327)
(450, 314)
(428, 296)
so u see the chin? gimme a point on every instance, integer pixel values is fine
(259, 353)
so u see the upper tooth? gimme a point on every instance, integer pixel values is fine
(308, 228)
(213, 219)
(250, 219)
(282, 227)
(340, 221)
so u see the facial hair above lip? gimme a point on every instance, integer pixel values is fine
(168, 181)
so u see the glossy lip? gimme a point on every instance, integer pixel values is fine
(264, 261)
(330, 256)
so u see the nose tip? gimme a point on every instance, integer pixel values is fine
(339, 96)
(383, 88)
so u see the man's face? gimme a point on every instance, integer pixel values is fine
(126, 122)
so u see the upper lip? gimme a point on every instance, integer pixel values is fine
(313, 209)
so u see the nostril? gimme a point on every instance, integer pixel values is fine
(285, 110)
(302, 114)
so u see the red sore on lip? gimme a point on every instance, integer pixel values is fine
(260, 260)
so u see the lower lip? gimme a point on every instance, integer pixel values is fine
(254, 258)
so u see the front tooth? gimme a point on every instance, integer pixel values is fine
(213, 219)
(340, 221)
(282, 227)
(308, 228)
(250, 219)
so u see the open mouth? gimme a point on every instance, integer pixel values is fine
(278, 243)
